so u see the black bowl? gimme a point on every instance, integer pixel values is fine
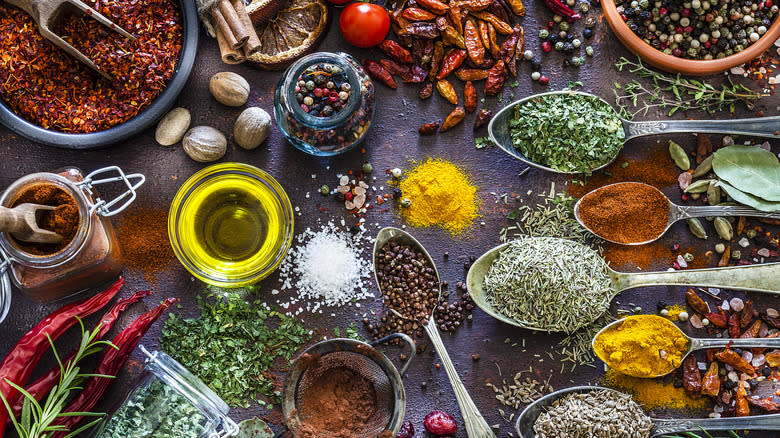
(141, 121)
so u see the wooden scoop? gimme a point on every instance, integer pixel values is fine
(46, 13)
(22, 223)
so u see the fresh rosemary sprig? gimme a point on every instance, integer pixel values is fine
(36, 420)
(732, 434)
(676, 93)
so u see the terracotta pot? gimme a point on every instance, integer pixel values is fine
(689, 67)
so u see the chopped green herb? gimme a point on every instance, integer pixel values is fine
(232, 347)
(624, 164)
(513, 214)
(482, 142)
(568, 132)
(574, 84)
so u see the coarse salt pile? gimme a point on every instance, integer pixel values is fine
(327, 268)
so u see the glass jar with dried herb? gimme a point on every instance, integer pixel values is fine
(87, 256)
(168, 401)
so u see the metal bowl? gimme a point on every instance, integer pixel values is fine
(140, 122)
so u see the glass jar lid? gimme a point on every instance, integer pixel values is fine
(173, 374)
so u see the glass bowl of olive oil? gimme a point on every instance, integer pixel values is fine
(231, 224)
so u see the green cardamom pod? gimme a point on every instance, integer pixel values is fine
(697, 229)
(703, 168)
(699, 186)
(679, 156)
(713, 193)
(724, 228)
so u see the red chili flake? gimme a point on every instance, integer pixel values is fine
(45, 86)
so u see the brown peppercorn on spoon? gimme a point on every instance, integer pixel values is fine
(476, 426)
(694, 344)
(525, 422)
(677, 213)
(21, 222)
(758, 278)
(498, 128)
(46, 12)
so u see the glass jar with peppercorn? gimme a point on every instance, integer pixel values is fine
(167, 401)
(324, 103)
(88, 254)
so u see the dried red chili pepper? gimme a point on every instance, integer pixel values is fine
(691, 375)
(474, 46)
(434, 6)
(40, 387)
(429, 128)
(484, 34)
(746, 315)
(733, 325)
(710, 384)
(436, 59)
(396, 69)
(742, 407)
(495, 48)
(773, 358)
(502, 27)
(455, 117)
(470, 97)
(696, 302)
(396, 52)
(717, 319)
(19, 363)
(109, 364)
(447, 91)
(426, 91)
(471, 74)
(422, 50)
(455, 18)
(508, 49)
(724, 258)
(418, 75)
(497, 8)
(771, 320)
(379, 73)
(422, 29)
(495, 79)
(473, 5)
(730, 357)
(561, 9)
(483, 117)
(451, 37)
(418, 14)
(452, 60)
(752, 332)
(741, 222)
(764, 403)
(517, 7)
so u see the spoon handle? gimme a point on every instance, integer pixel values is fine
(760, 278)
(758, 422)
(476, 426)
(725, 210)
(705, 343)
(760, 126)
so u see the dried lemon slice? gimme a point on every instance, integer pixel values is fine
(293, 32)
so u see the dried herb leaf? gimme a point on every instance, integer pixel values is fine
(750, 169)
(748, 199)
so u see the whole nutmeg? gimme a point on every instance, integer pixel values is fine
(229, 88)
(204, 144)
(252, 127)
(172, 127)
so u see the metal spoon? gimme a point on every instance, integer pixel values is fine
(476, 426)
(759, 278)
(21, 222)
(525, 422)
(693, 344)
(679, 212)
(498, 128)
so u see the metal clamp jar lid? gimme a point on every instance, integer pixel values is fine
(159, 395)
(90, 206)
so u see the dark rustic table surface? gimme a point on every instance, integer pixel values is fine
(392, 142)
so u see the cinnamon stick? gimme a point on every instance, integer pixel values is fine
(252, 45)
(227, 52)
(240, 33)
(223, 27)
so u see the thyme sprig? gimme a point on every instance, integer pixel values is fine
(676, 93)
(36, 421)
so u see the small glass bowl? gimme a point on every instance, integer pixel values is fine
(325, 136)
(186, 215)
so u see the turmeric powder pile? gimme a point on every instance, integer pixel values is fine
(642, 346)
(440, 194)
(654, 394)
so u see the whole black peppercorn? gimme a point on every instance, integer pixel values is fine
(587, 33)
(729, 384)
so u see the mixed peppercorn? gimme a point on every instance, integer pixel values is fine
(699, 29)
(323, 90)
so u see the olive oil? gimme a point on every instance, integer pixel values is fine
(232, 226)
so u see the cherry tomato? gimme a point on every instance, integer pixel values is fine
(364, 24)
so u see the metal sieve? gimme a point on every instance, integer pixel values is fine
(364, 360)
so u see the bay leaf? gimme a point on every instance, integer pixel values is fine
(750, 169)
(254, 428)
(748, 199)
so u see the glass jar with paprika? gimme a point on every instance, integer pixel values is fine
(88, 254)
